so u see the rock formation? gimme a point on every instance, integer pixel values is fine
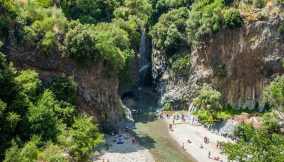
(238, 62)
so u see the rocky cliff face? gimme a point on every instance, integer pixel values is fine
(239, 63)
(97, 87)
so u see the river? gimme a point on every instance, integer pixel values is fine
(153, 133)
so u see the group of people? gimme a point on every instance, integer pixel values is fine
(192, 120)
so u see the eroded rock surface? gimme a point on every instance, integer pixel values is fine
(239, 63)
(97, 92)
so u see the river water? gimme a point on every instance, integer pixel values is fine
(153, 133)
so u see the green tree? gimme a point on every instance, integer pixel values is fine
(82, 138)
(139, 10)
(42, 117)
(208, 98)
(273, 94)
(205, 19)
(261, 145)
(80, 43)
(64, 88)
(28, 153)
(232, 18)
(90, 11)
(28, 80)
(52, 153)
(169, 33)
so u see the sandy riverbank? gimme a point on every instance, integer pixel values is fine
(126, 152)
(184, 131)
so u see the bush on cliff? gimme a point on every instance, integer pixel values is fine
(169, 33)
(273, 94)
(232, 18)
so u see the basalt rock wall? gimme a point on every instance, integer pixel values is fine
(237, 62)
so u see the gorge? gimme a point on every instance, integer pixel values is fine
(89, 80)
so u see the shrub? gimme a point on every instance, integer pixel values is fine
(259, 3)
(52, 153)
(28, 80)
(205, 19)
(181, 65)
(42, 117)
(273, 94)
(208, 98)
(80, 44)
(169, 33)
(89, 11)
(28, 153)
(105, 41)
(82, 138)
(281, 30)
(168, 106)
(138, 10)
(232, 18)
(64, 88)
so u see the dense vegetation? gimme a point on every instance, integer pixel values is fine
(40, 122)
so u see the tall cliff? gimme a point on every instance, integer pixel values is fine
(238, 62)
(97, 87)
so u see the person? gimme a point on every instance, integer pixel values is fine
(209, 155)
(188, 141)
(183, 146)
(217, 158)
(205, 139)
(171, 127)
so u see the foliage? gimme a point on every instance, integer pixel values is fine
(259, 3)
(90, 11)
(169, 33)
(168, 106)
(138, 10)
(181, 65)
(208, 98)
(270, 122)
(28, 153)
(112, 44)
(208, 103)
(42, 117)
(220, 70)
(163, 6)
(52, 153)
(82, 138)
(273, 94)
(64, 88)
(256, 145)
(80, 43)
(33, 115)
(125, 73)
(29, 81)
(93, 43)
(205, 19)
(8, 14)
(232, 18)
(281, 30)
(42, 27)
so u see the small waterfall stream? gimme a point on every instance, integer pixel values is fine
(144, 59)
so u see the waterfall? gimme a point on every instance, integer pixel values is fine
(144, 61)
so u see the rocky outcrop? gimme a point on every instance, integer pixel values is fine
(97, 86)
(239, 63)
